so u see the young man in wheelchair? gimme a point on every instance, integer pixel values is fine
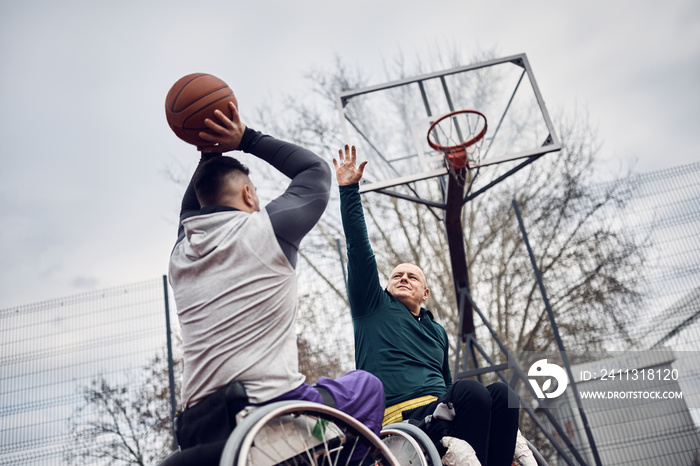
(233, 276)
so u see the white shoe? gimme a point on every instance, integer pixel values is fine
(523, 456)
(459, 453)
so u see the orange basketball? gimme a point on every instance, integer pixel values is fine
(191, 100)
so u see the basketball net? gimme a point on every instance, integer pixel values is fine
(459, 136)
(459, 161)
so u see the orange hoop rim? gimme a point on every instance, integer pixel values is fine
(457, 148)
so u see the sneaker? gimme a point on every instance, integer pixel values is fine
(459, 453)
(523, 456)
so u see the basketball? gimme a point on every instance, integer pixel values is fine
(191, 100)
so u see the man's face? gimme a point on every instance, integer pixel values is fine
(407, 284)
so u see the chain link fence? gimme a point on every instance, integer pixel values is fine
(631, 419)
(52, 350)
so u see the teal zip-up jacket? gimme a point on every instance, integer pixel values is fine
(408, 354)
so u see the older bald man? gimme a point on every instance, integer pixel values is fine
(398, 340)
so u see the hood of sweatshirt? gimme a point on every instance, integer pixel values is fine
(204, 233)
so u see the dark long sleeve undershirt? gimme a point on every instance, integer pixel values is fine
(296, 211)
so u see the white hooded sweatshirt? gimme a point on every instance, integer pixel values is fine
(236, 299)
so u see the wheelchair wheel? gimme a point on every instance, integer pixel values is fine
(303, 433)
(410, 445)
(538, 456)
(404, 447)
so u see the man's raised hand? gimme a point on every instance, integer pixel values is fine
(346, 170)
(226, 134)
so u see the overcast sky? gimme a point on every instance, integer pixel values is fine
(84, 203)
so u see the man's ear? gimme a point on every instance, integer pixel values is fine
(426, 293)
(247, 194)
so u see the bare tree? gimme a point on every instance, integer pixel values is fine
(128, 422)
(124, 423)
(587, 261)
(315, 364)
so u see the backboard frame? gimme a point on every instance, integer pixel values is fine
(551, 142)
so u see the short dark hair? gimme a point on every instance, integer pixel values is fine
(209, 178)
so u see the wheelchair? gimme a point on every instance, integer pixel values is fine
(413, 447)
(290, 433)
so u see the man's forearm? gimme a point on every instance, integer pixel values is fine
(364, 289)
(286, 157)
(353, 218)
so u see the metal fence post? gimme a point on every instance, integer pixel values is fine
(555, 330)
(171, 365)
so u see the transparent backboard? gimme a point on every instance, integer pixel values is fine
(390, 122)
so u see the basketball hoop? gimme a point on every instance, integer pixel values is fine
(459, 135)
